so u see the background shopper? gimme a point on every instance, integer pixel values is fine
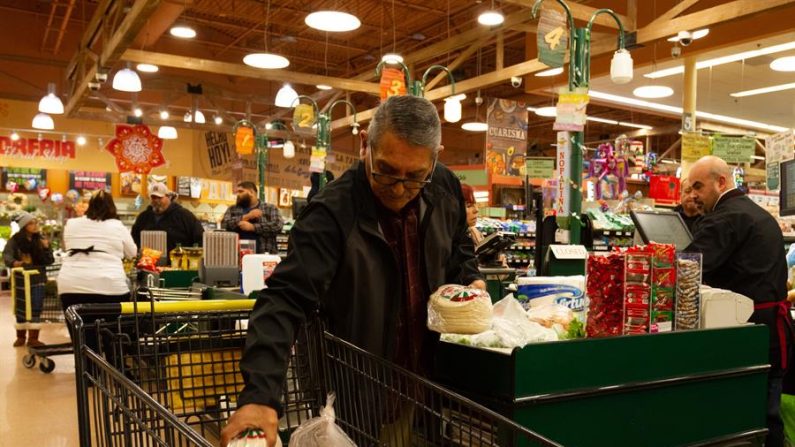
(180, 225)
(253, 219)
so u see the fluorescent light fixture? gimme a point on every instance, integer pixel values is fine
(43, 121)
(549, 111)
(147, 68)
(724, 60)
(636, 126)
(602, 120)
(164, 114)
(81, 140)
(760, 91)
(695, 35)
(460, 96)
(183, 32)
(268, 61)
(392, 58)
(475, 126)
(783, 64)
(127, 80)
(187, 118)
(198, 117)
(653, 91)
(218, 120)
(668, 162)
(618, 123)
(757, 157)
(324, 87)
(14, 136)
(167, 133)
(491, 18)
(286, 96)
(452, 110)
(480, 194)
(550, 72)
(50, 103)
(289, 149)
(332, 21)
(678, 111)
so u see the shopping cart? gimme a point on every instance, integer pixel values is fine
(35, 302)
(167, 374)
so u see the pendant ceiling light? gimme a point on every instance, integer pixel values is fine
(392, 58)
(43, 121)
(289, 149)
(81, 140)
(783, 64)
(286, 96)
(475, 126)
(452, 109)
(182, 32)
(549, 111)
(167, 133)
(50, 103)
(332, 21)
(198, 117)
(653, 91)
(266, 59)
(550, 72)
(14, 136)
(492, 17)
(323, 87)
(127, 80)
(164, 114)
(621, 71)
(147, 68)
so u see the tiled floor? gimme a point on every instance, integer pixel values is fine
(35, 408)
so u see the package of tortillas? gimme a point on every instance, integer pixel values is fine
(459, 310)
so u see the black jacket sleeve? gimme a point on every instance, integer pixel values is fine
(136, 230)
(463, 262)
(716, 239)
(294, 290)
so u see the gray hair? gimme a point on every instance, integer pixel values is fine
(410, 118)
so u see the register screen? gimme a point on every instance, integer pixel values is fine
(662, 227)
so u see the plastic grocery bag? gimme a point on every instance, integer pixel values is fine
(321, 431)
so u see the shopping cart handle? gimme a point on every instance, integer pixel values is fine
(159, 307)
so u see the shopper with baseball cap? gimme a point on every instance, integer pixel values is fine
(181, 226)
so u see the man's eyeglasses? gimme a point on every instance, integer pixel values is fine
(390, 180)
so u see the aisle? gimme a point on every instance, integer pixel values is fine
(36, 409)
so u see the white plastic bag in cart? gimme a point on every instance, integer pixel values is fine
(321, 431)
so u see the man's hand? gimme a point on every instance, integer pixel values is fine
(251, 416)
(478, 284)
(256, 213)
(245, 226)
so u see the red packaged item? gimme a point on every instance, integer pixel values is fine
(663, 255)
(605, 288)
(149, 259)
(664, 277)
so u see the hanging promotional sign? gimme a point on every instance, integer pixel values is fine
(540, 167)
(563, 159)
(303, 116)
(733, 149)
(24, 179)
(90, 181)
(570, 112)
(33, 148)
(506, 139)
(695, 146)
(552, 38)
(393, 83)
(780, 147)
(136, 149)
(244, 140)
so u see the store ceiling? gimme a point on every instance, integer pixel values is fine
(426, 31)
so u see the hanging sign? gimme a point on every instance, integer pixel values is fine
(393, 83)
(563, 159)
(317, 161)
(506, 139)
(90, 181)
(552, 38)
(303, 116)
(244, 140)
(24, 179)
(733, 149)
(570, 110)
(136, 149)
(779, 148)
(183, 186)
(472, 177)
(540, 167)
(695, 146)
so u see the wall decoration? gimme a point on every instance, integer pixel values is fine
(285, 197)
(506, 140)
(130, 184)
(136, 149)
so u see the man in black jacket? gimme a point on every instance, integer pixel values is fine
(181, 226)
(743, 251)
(367, 251)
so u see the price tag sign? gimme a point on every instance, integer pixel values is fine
(734, 149)
(552, 38)
(569, 251)
(540, 167)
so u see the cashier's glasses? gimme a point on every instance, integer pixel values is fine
(408, 183)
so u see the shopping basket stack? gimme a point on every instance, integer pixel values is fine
(167, 373)
(35, 301)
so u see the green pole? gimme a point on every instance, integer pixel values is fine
(323, 139)
(262, 165)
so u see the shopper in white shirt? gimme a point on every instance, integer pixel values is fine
(92, 271)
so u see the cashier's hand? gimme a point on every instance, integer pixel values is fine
(479, 284)
(246, 226)
(251, 416)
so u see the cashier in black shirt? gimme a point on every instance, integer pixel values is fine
(743, 251)
(687, 208)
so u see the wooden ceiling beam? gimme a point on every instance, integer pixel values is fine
(113, 48)
(226, 68)
(463, 57)
(675, 11)
(583, 13)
